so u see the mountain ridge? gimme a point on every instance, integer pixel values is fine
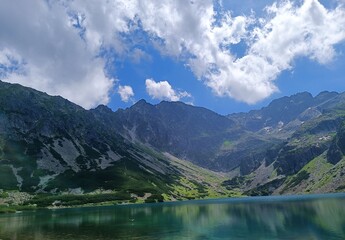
(50, 145)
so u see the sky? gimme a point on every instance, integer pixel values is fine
(228, 56)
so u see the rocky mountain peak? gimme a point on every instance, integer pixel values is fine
(103, 109)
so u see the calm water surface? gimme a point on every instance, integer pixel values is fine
(298, 217)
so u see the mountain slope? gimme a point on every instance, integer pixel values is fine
(309, 160)
(284, 111)
(237, 142)
(48, 144)
(170, 150)
(188, 132)
(192, 133)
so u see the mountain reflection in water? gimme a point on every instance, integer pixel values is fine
(311, 217)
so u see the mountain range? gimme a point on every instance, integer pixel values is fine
(171, 150)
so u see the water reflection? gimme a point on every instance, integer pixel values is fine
(222, 219)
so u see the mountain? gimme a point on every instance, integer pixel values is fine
(266, 147)
(50, 145)
(188, 132)
(221, 143)
(309, 157)
(168, 151)
(195, 134)
(283, 116)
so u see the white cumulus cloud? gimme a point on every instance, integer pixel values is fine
(62, 47)
(163, 91)
(48, 53)
(126, 93)
(288, 31)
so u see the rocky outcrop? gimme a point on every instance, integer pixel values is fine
(337, 149)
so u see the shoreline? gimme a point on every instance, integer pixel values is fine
(235, 200)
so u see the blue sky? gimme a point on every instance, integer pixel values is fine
(228, 56)
(307, 75)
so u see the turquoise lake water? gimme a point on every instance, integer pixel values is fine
(297, 217)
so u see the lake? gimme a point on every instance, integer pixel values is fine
(288, 217)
